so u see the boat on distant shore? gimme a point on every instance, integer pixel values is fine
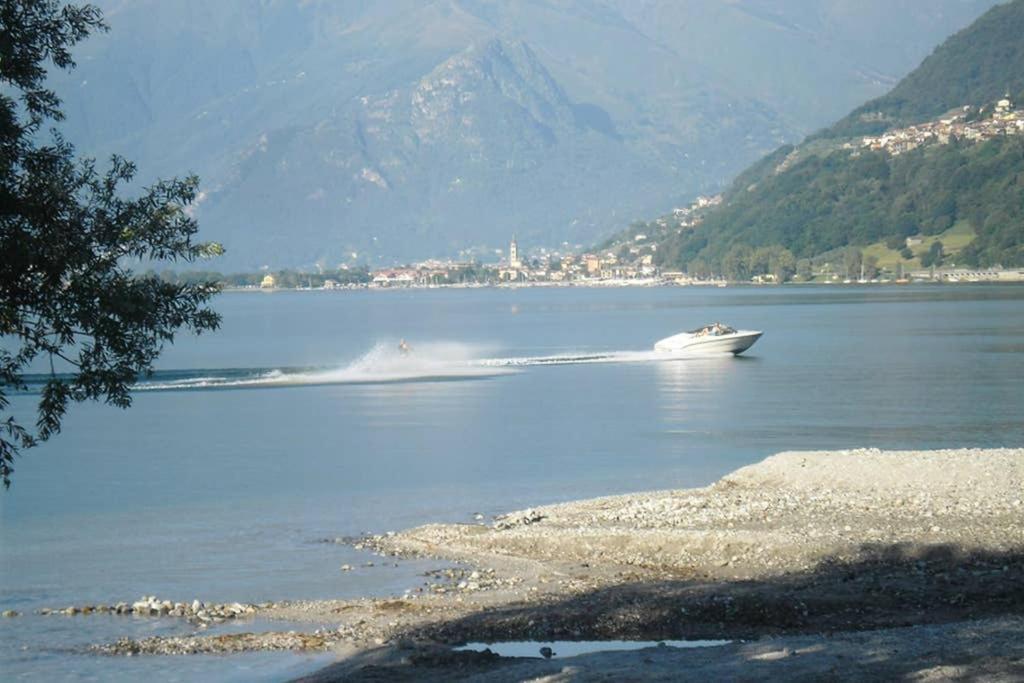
(713, 338)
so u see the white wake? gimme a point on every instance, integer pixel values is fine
(385, 363)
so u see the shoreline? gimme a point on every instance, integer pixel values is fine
(622, 284)
(834, 550)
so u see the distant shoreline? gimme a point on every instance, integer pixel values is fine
(619, 285)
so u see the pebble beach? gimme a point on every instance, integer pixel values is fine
(838, 553)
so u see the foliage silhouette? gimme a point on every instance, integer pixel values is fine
(69, 300)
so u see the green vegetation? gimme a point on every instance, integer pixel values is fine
(824, 195)
(978, 65)
(889, 258)
(743, 263)
(285, 279)
(288, 278)
(68, 302)
(823, 203)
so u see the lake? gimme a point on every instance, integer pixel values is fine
(300, 421)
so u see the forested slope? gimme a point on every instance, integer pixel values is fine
(982, 63)
(838, 188)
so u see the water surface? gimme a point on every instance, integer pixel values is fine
(221, 478)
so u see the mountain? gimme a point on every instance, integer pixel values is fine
(484, 145)
(372, 131)
(943, 152)
(979, 64)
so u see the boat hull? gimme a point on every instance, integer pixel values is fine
(735, 343)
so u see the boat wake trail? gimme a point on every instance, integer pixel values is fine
(384, 363)
(578, 358)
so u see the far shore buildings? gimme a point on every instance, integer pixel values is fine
(513, 254)
(543, 267)
(395, 277)
(513, 271)
(628, 263)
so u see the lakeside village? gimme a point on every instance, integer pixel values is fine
(605, 269)
(632, 260)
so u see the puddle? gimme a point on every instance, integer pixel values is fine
(571, 648)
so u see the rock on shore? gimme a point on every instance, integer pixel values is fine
(197, 612)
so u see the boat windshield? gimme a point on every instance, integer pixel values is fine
(713, 330)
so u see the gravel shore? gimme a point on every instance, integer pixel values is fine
(788, 513)
(842, 554)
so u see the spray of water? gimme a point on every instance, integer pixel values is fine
(385, 362)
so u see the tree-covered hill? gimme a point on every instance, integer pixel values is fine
(838, 188)
(823, 203)
(980, 64)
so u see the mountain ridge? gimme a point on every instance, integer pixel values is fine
(863, 180)
(992, 40)
(659, 101)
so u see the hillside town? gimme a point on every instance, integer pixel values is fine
(966, 123)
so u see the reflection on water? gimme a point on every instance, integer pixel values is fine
(701, 397)
(430, 402)
(682, 382)
(573, 648)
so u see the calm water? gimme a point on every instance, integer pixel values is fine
(297, 422)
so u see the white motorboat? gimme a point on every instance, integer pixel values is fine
(713, 338)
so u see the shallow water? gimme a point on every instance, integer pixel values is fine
(572, 648)
(300, 421)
